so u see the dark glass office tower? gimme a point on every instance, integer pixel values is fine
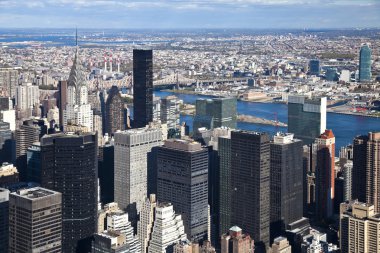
(142, 87)
(114, 111)
(182, 179)
(365, 64)
(306, 117)
(314, 67)
(359, 169)
(5, 143)
(286, 183)
(216, 112)
(62, 100)
(69, 165)
(4, 219)
(26, 135)
(106, 173)
(250, 181)
(224, 153)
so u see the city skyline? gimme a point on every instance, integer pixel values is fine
(190, 14)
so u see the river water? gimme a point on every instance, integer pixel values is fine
(345, 127)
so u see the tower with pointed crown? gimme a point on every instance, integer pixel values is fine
(78, 110)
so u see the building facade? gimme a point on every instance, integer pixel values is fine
(216, 112)
(250, 185)
(145, 225)
(142, 87)
(182, 179)
(359, 228)
(365, 64)
(77, 111)
(131, 167)
(235, 241)
(325, 175)
(170, 111)
(114, 111)
(306, 117)
(373, 170)
(35, 221)
(69, 165)
(4, 219)
(168, 229)
(286, 182)
(8, 82)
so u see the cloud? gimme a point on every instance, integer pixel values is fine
(189, 13)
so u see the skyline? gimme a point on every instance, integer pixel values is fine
(175, 14)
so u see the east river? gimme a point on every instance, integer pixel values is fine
(345, 127)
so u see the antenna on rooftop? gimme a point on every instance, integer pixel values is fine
(76, 36)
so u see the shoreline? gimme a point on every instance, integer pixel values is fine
(329, 110)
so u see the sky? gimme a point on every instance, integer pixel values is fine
(174, 14)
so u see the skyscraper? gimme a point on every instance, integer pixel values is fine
(145, 225)
(168, 229)
(170, 111)
(8, 81)
(35, 221)
(62, 100)
(27, 97)
(365, 64)
(106, 172)
(114, 111)
(359, 169)
(142, 87)
(69, 165)
(359, 228)
(306, 117)
(118, 221)
(33, 157)
(286, 182)
(250, 185)
(224, 153)
(314, 67)
(216, 112)
(5, 142)
(4, 219)
(26, 135)
(78, 110)
(131, 167)
(325, 175)
(182, 179)
(373, 170)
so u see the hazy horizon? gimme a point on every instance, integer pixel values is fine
(192, 14)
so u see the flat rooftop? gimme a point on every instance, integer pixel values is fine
(34, 193)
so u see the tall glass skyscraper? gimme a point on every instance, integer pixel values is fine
(142, 87)
(314, 67)
(306, 117)
(365, 64)
(217, 112)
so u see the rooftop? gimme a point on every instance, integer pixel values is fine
(34, 193)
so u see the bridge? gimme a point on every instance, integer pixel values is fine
(168, 82)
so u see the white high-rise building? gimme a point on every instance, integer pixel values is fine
(131, 165)
(9, 116)
(145, 224)
(27, 96)
(118, 221)
(168, 229)
(78, 111)
(170, 111)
